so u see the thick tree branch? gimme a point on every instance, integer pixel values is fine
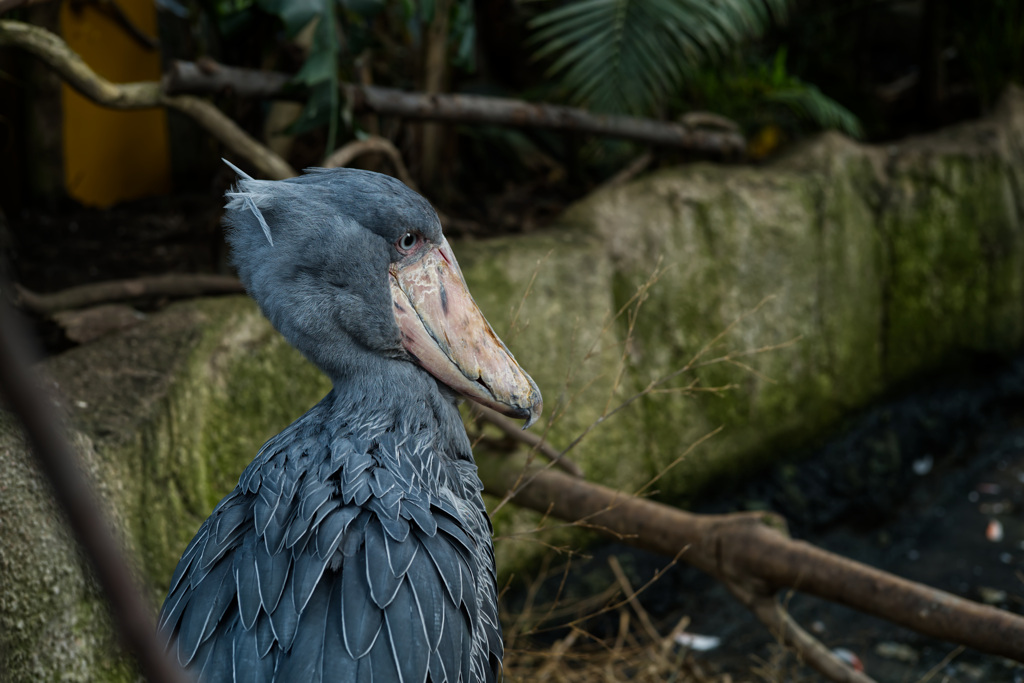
(269, 164)
(509, 112)
(57, 55)
(171, 286)
(209, 77)
(744, 548)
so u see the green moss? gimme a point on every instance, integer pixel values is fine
(547, 297)
(955, 262)
(241, 384)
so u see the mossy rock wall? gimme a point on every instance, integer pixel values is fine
(764, 302)
(165, 416)
(799, 291)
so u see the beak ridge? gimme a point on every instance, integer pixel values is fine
(444, 330)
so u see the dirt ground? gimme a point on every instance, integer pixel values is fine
(928, 486)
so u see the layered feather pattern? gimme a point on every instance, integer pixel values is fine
(346, 553)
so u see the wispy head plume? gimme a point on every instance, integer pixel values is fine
(241, 193)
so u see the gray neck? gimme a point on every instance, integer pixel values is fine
(383, 395)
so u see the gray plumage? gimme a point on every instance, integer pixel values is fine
(356, 546)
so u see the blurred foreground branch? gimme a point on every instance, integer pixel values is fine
(754, 557)
(59, 463)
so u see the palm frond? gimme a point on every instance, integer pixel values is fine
(629, 55)
(809, 103)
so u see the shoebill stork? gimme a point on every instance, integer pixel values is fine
(356, 546)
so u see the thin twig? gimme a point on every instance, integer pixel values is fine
(956, 652)
(556, 653)
(112, 9)
(630, 171)
(627, 589)
(59, 463)
(535, 442)
(781, 624)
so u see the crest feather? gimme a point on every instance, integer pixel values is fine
(244, 194)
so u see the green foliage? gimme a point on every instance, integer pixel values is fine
(342, 30)
(990, 39)
(631, 55)
(758, 93)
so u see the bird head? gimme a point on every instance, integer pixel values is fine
(352, 268)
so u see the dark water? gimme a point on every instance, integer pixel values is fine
(910, 486)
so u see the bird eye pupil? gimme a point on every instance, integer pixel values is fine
(408, 241)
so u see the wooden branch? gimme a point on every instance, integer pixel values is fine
(629, 172)
(346, 154)
(56, 54)
(113, 10)
(749, 547)
(766, 607)
(171, 286)
(518, 113)
(514, 431)
(184, 77)
(208, 77)
(269, 164)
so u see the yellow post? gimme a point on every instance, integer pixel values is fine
(109, 155)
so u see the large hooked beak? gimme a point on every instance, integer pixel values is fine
(444, 330)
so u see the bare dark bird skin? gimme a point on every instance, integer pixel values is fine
(356, 546)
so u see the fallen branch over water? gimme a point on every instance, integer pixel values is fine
(752, 552)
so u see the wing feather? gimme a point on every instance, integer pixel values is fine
(407, 631)
(271, 574)
(383, 583)
(330, 531)
(307, 569)
(246, 581)
(448, 563)
(400, 554)
(361, 619)
(202, 606)
(303, 662)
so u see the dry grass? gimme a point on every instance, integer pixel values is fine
(638, 652)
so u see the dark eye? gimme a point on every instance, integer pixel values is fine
(408, 241)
